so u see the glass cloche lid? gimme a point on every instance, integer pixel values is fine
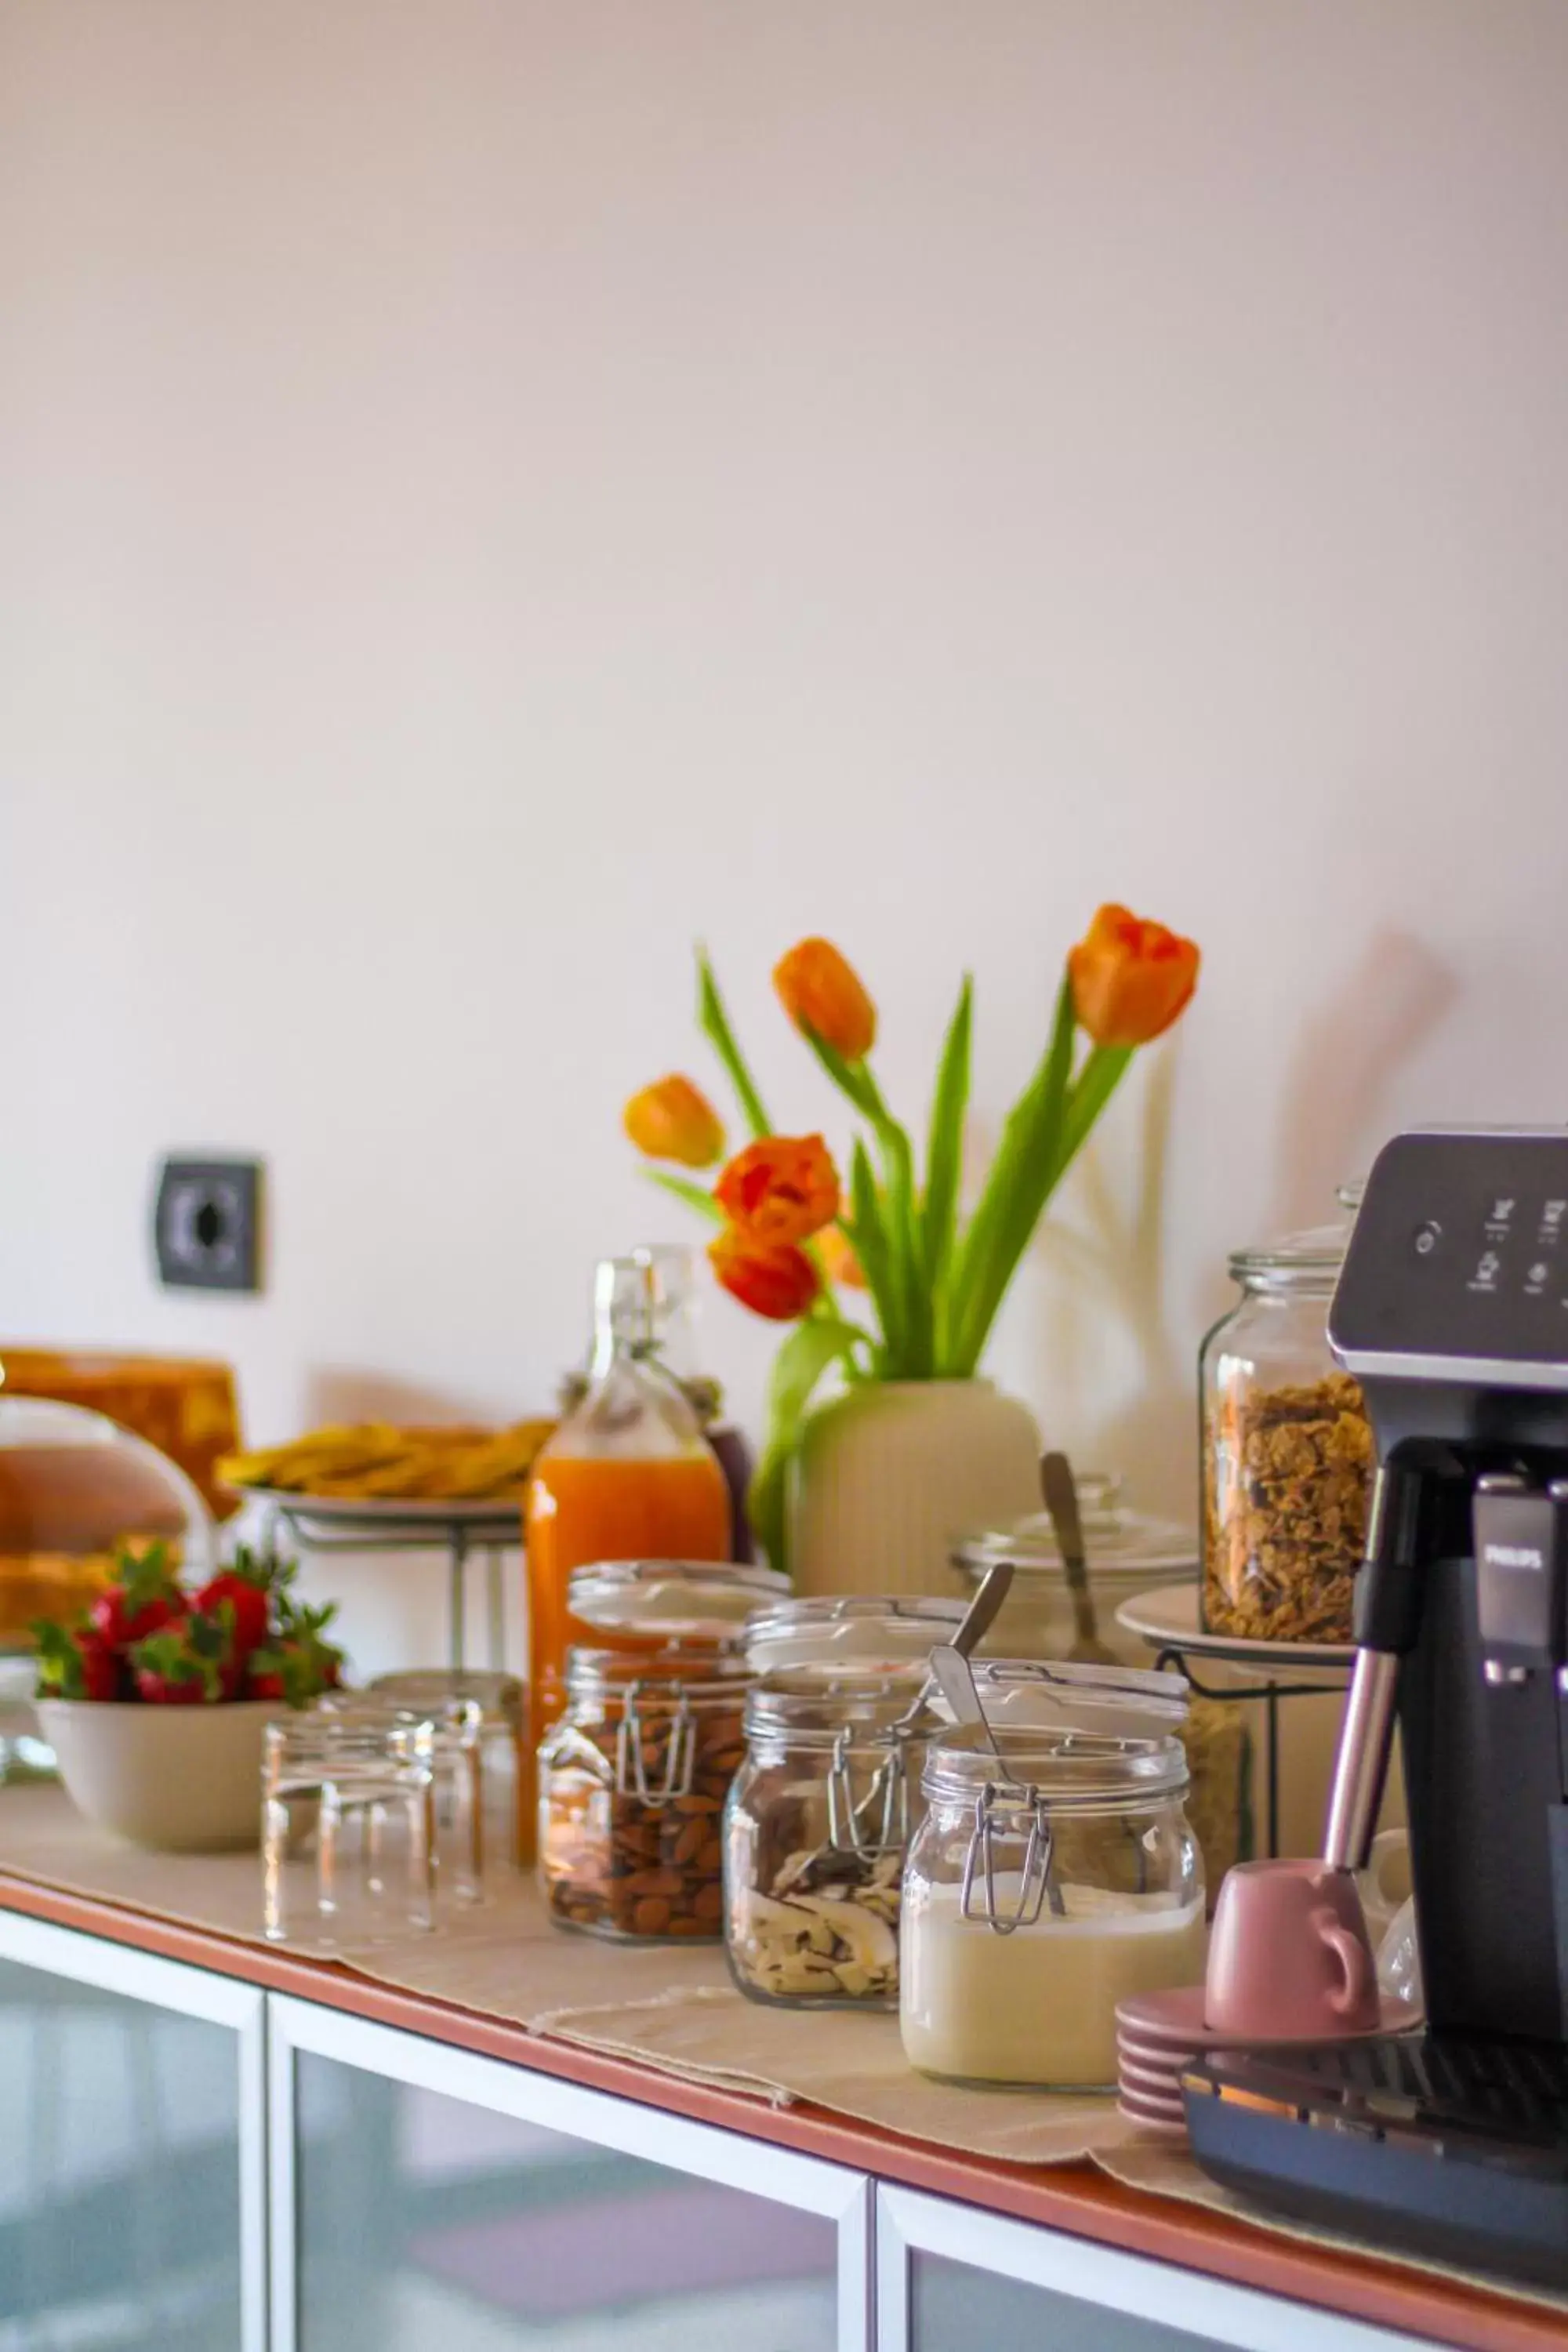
(1117, 1541)
(75, 1488)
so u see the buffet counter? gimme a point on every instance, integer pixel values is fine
(237, 2148)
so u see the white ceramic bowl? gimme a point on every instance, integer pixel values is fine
(180, 1779)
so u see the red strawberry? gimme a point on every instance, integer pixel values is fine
(76, 1664)
(158, 1690)
(101, 1675)
(190, 1663)
(250, 1601)
(143, 1598)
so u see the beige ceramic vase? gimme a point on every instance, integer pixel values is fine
(888, 1474)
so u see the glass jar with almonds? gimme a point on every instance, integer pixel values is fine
(632, 1783)
(1287, 1452)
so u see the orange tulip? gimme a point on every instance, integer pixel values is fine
(782, 1188)
(774, 1279)
(821, 992)
(675, 1120)
(840, 1262)
(1129, 979)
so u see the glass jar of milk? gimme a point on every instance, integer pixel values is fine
(1054, 1875)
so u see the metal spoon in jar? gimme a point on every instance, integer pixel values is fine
(1059, 1488)
(955, 1680)
(972, 1627)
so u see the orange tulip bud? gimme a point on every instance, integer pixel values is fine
(675, 1120)
(821, 992)
(1129, 979)
(775, 1279)
(840, 1262)
(782, 1188)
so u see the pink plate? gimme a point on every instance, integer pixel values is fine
(1155, 2127)
(1174, 2021)
(1153, 2081)
(1152, 2111)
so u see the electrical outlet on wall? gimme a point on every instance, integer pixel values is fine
(206, 1224)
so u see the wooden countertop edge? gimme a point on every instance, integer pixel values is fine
(1076, 2199)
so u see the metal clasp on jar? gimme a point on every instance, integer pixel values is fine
(631, 1755)
(877, 1821)
(1009, 1816)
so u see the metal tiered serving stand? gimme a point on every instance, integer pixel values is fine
(1168, 1622)
(462, 1530)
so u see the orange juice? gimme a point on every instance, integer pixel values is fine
(583, 1507)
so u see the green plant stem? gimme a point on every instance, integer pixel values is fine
(944, 1162)
(1013, 1199)
(714, 1020)
(692, 1196)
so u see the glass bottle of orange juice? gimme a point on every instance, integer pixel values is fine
(627, 1476)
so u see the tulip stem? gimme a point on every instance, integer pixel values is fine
(714, 1022)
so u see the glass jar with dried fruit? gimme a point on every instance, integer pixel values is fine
(1287, 1451)
(814, 1835)
(632, 1783)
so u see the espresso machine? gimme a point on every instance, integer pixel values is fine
(1452, 1312)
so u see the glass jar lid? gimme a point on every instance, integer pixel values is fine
(1115, 1702)
(1119, 1542)
(859, 1634)
(433, 1689)
(671, 1599)
(656, 1678)
(811, 1709)
(1065, 1769)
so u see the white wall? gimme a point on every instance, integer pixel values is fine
(491, 490)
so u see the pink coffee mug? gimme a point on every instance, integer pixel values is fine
(1289, 1958)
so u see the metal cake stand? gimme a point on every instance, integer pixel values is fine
(460, 1529)
(1169, 1621)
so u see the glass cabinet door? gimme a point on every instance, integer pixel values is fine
(952, 2279)
(446, 2203)
(130, 2214)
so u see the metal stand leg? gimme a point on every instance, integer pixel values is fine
(1271, 1704)
(497, 1603)
(459, 1602)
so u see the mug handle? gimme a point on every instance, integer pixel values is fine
(1352, 1954)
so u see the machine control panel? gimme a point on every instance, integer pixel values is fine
(1458, 1266)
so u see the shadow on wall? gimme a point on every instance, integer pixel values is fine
(1118, 1386)
(1343, 1069)
(341, 1393)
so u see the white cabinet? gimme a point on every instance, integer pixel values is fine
(187, 2165)
(132, 2188)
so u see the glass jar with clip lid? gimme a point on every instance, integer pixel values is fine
(1055, 1874)
(820, 1815)
(632, 1780)
(814, 1834)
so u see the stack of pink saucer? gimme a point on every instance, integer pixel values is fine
(1158, 2034)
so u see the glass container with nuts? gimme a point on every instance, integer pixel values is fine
(1287, 1453)
(632, 1783)
(814, 1835)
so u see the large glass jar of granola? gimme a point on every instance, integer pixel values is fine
(1287, 1452)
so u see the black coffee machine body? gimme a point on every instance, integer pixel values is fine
(1452, 1311)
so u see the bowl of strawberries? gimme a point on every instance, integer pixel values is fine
(156, 1700)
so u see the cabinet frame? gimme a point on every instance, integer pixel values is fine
(1098, 2277)
(704, 2151)
(184, 1992)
